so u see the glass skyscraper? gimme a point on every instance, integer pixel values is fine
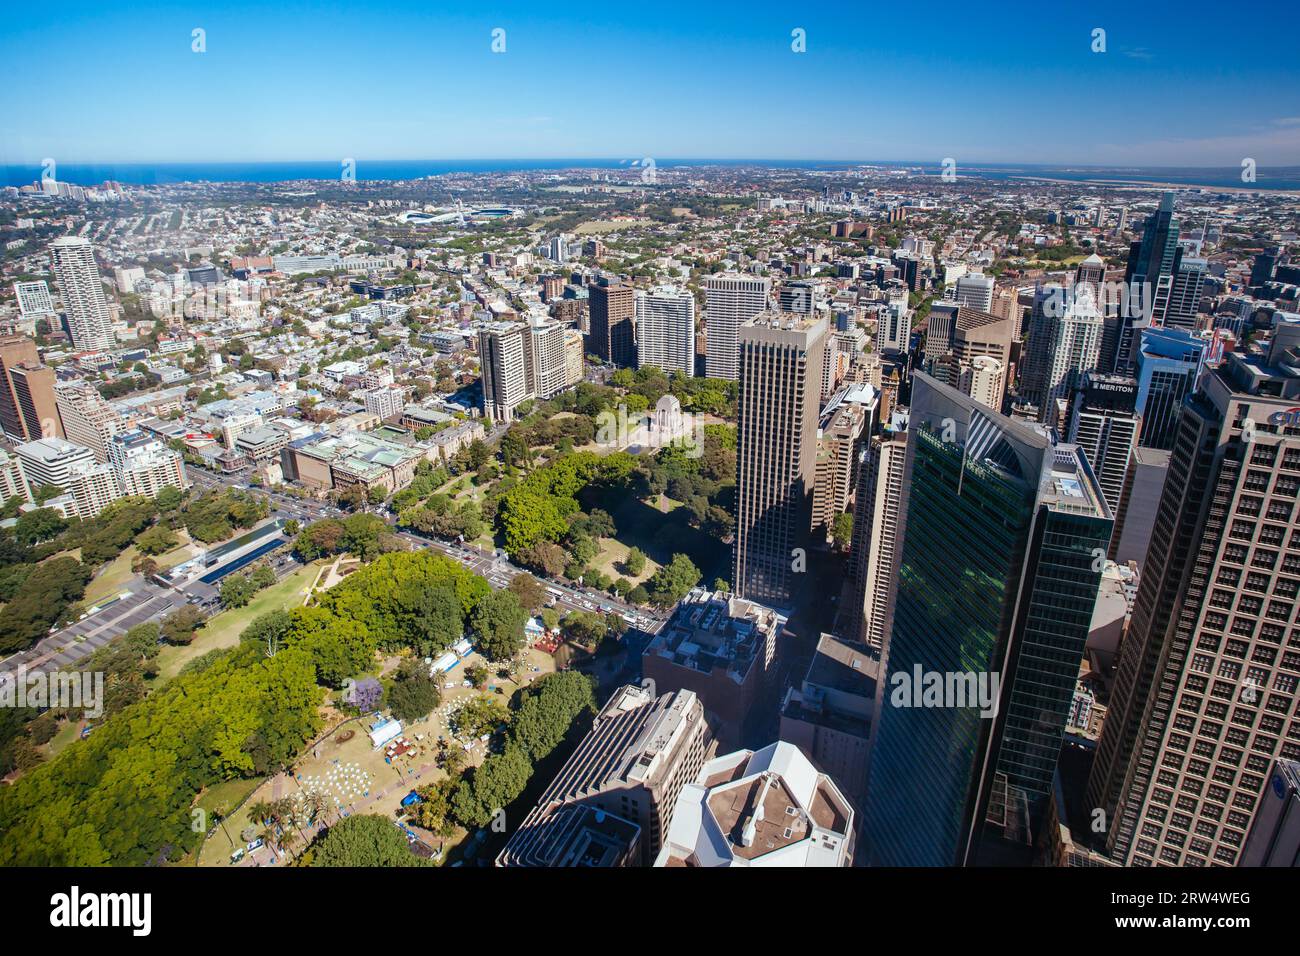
(998, 571)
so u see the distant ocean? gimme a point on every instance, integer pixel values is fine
(1282, 177)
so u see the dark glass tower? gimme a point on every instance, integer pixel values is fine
(1152, 263)
(998, 572)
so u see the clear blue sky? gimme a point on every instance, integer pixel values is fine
(1185, 84)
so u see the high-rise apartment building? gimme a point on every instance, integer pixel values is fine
(1000, 535)
(1064, 343)
(730, 300)
(90, 323)
(612, 307)
(87, 419)
(1206, 685)
(27, 406)
(144, 465)
(844, 420)
(87, 486)
(780, 384)
(641, 751)
(956, 337)
(665, 328)
(873, 557)
(503, 350)
(34, 299)
(1104, 423)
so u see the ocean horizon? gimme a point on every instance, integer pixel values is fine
(151, 174)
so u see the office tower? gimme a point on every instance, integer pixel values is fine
(144, 465)
(1168, 364)
(730, 300)
(769, 807)
(613, 322)
(630, 767)
(1261, 270)
(1274, 839)
(975, 291)
(1185, 293)
(780, 382)
(724, 649)
(1149, 276)
(1205, 689)
(798, 297)
(27, 409)
(828, 715)
(90, 323)
(1138, 504)
(665, 329)
(1064, 343)
(34, 299)
(873, 558)
(503, 350)
(88, 420)
(1104, 423)
(842, 424)
(956, 336)
(87, 487)
(999, 534)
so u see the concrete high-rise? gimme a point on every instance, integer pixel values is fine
(1064, 343)
(730, 300)
(873, 557)
(88, 420)
(612, 308)
(27, 407)
(1205, 695)
(503, 354)
(999, 535)
(90, 323)
(781, 359)
(665, 328)
(1105, 425)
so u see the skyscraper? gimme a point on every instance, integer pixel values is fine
(88, 420)
(1000, 535)
(1104, 424)
(1206, 685)
(27, 408)
(89, 321)
(873, 556)
(613, 322)
(1149, 277)
(665, 328)
(730, 300)
(1064, 343)
(976, 291)
(780, 385)
(503, 354)
(1168, 363)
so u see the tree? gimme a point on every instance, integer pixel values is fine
(157, 540)
(670, 583)
(179, 626)
(39, 524)
(842, 529)
(366, 840)
(634, 563)
(40, 601)
(413, 694)
(497, 623)
(528, 590)
(433, 812)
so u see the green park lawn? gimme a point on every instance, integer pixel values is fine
(223, 630)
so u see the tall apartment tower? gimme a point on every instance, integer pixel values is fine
(631, 767)
(88, 420)
(504, 352)
(1153, 261)
(665, 329)
(34, 298)
(27, 408)
(90, 323)
(780, 388)
(1104, 424)
(730, 300)
(999, 534)
(1206, 686)
(873, 557)
(613, 322)
(1064, 343)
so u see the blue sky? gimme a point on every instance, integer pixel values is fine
(1185, 84)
